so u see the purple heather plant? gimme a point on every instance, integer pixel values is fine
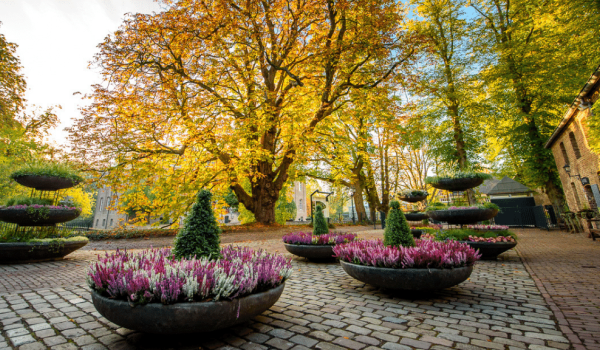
(155, 276)
(308, 238)
(426, 254)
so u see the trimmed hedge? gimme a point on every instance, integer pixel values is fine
(128, 233)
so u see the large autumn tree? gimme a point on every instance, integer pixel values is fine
(214, 90)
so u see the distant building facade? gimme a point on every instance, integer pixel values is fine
(569, 144)
(104, 218)
(300, 201)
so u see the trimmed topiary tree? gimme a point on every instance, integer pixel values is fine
(397, 232)
(320, 224)
(200, 234)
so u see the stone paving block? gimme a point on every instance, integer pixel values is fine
(279, 343)
(395, 346)
(302, 340)
(56, 340)
(33, 346)
(348, 344)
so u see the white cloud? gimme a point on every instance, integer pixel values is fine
(57, 39)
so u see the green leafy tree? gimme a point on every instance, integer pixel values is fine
(536, 56)
(397, 232)
(320, 224)
(200, 235)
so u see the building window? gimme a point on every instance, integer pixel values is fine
(590, 197)
(111, 221)
(300, 204)
(564, 153)
(103, 222)
(574, 188)
(100, 207)
(97, 222)
(574, 145)
(108, 203)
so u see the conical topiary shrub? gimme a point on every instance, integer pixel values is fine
(397, 232)
(200, 234)
(320, 224)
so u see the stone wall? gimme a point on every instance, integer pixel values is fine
(583, 162)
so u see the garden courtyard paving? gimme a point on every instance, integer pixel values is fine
(546, 295)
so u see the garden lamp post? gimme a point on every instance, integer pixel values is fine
(352, 201)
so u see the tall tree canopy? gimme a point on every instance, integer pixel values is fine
(534, 63)
(213, 90)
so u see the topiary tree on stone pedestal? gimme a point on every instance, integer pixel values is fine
(397, 232)
(320, 224)
(200, 234)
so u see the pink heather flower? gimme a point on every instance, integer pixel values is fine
(488, 227)
(426, 254)
(326, 239)
(157, 276)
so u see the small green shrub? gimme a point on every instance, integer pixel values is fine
(200, 235)
(457, 174)
(21, 200)
(412, 193)
(48, 169)
(397, 232)
(320, 224)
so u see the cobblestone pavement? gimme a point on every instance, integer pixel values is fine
(499, 307)
(566, 268)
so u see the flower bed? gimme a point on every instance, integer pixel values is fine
(315, 247)
(412, 196)
(487, 227)
(498, 239)
(426, 255)
(153, 276)
(307, 238)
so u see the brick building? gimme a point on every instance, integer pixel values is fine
(576, 163)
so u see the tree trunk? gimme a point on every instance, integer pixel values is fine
(359, 203)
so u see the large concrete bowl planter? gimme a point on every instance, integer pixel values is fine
(460, 184)
(186, 317)
(416, 233)
(416, 216)
(24, 218)
(45, 182)
(490, 251)
(14, 253)
(313, 252)
(462, 216)
(413, 199)
(408, 279)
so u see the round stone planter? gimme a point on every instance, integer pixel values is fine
(463, 216)
(461, 184)
(413, 199)
(46, 183)
(416, 216)
(14, 253)
(23, 218)
(490, 251)
(186, 317)
(408, 279)
(416, 233)
(316, 252)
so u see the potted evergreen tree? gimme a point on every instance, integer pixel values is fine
(401, 263)
(195, 287)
